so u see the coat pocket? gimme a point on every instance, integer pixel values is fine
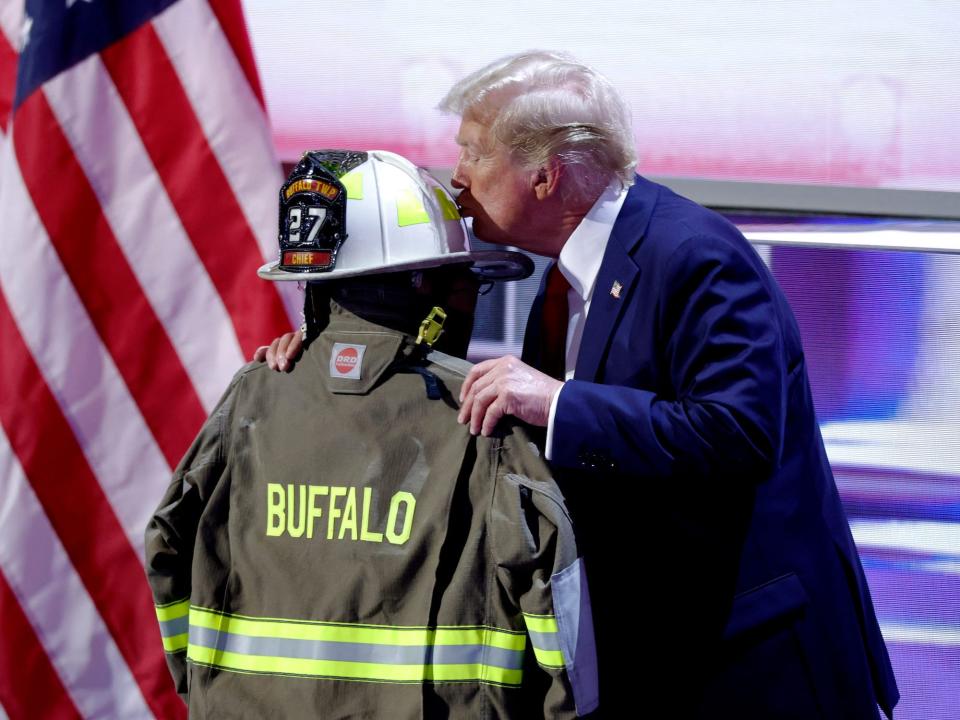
(765, 604)
(764, 669)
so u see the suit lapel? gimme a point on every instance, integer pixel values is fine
(618, 274)
(616, 279)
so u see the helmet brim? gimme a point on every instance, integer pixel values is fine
(487, 264)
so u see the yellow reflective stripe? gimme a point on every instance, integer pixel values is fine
(541, 623)
(175, 643)
(354, 670)
(410, 209)
(371, 634)
(549, 658)
(172, 611)
(353, 184)
(449, 207)
(327, 623)
(544, 625)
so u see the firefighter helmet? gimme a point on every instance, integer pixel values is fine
(345, 213)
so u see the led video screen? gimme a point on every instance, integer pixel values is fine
(834, 93)
(860, 94)
(882, 342)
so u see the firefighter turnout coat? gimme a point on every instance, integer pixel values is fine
(334, 544)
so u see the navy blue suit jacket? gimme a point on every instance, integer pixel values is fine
(724, 575)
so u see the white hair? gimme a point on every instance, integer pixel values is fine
(543, 105)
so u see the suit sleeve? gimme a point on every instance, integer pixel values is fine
(171, 533)
(542, 575)
(720, 403)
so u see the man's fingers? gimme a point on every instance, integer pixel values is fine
(476, 372)
(272, 354)
(481, 402)
(480, 383)
(283, 352)
(468, 381)
(295, 346)
(466, 406)
(291, 345)
(492, 416)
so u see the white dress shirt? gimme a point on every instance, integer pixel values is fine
(579, 263)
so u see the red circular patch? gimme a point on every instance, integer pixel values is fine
(346, 360)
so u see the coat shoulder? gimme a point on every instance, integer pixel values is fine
(675, 220)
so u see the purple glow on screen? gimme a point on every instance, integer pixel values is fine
(881, 339)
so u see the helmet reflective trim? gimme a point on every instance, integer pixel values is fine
(313, 210)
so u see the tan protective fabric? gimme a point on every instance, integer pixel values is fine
(487, 531)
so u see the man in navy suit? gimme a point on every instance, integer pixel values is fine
(677, 415)
(725, 578)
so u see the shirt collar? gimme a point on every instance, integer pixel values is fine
(583, 251)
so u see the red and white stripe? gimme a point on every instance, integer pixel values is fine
(69, 628)
(76, 365)
(106, 145)
(10, 18)
(138, 196)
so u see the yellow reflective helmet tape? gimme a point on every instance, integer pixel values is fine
(545, 638)
(410, 209)
(449, 207)
(353, 183)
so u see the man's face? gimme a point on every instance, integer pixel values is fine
(494, 192)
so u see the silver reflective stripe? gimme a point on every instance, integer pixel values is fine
(356, 652)
(544, 641)
(178, 626)
(571, 602)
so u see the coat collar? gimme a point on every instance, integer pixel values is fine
(352, 354)
(635, 214)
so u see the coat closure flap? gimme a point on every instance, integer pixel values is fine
(351, 362)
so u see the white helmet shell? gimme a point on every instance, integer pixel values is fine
(399, 217)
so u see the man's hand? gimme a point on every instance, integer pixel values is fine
(282, 353)
(505, 386)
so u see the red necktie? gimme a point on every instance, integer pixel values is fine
(556, 316)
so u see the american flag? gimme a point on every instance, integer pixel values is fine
(137, 198)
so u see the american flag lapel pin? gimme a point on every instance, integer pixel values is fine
(615, 289)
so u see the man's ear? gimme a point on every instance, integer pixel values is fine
(546, 179)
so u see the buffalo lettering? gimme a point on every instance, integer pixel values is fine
(333, 512)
